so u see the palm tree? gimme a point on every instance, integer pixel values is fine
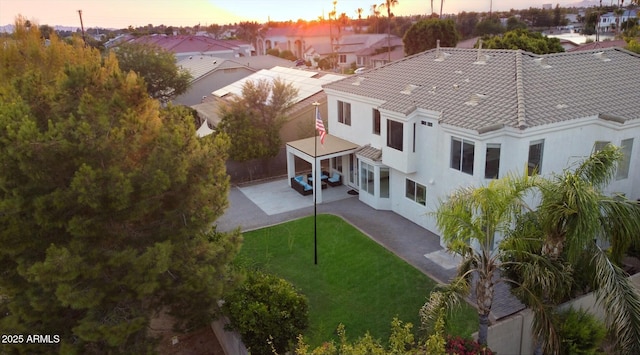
(388, 4)
(359, 11)
(469, 221)
(573, 214)
(376, 13)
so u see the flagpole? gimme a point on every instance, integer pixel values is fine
(315, 187)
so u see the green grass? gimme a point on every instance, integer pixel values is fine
(356, 282)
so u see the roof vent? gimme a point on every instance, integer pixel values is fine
(433, 89)
(440, 55)
(475, 99)
(458, 72)
(358, 81)
(542, 62)
(602, 56)
(561, 106)
(481, 58)
(408, 89)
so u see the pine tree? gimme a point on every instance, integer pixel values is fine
(106, 200)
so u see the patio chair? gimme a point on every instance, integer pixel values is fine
(335, 180)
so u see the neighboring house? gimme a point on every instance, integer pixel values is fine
(568, 45)
(212, 73)
(310, 42)
(297, 38)
(599, 45)
(445, 118)
(608, 21)
(372, 55)
(184, 46)
(300, 122)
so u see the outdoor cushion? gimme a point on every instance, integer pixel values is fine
(335, 177)
(322, 177)
(299, 178)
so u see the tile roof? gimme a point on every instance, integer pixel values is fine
(367, 151)
(189, 43)
(599, 45)
(510, 88)
(307, 82)
(201, 65)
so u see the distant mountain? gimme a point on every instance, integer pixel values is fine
(584, 3)
(6, 29)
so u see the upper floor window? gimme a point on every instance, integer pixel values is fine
(462, 155)
(344, 113)
(376, 122)
(394, 134)
(623, 166)
(599, 145)
(492, 161)
(534, 163)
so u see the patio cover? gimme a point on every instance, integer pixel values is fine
(332, 145)
(305, 150)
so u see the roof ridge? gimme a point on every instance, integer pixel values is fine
(520, 103)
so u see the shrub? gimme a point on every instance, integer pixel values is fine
(268, 312)
(462, 346)
(580, 332)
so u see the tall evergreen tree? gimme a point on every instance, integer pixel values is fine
(106, 201)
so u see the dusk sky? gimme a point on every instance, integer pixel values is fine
(122, 13)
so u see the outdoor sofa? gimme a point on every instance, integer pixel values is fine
(298, 184)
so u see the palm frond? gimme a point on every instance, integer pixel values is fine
(600, 167)
(444, 298)
(620, 300)
(620, 224)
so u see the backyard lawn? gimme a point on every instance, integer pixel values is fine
(356, 282)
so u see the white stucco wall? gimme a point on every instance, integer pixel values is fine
(565, 144)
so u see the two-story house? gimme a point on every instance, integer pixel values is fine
(611, 20)
(445, 118)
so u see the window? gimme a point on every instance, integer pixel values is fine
(384, 182)
(344, 113)
(342, 58)
(394, 135)
(367, 182)
(416, 192)
(376, 122)
(336, 162)
(534, 164)
(492, 161)
(414, 137)
(599, 145)
(623, 166)
(462, 155)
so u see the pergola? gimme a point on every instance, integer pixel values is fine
(312, 151)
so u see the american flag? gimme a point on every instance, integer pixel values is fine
(320, 126)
